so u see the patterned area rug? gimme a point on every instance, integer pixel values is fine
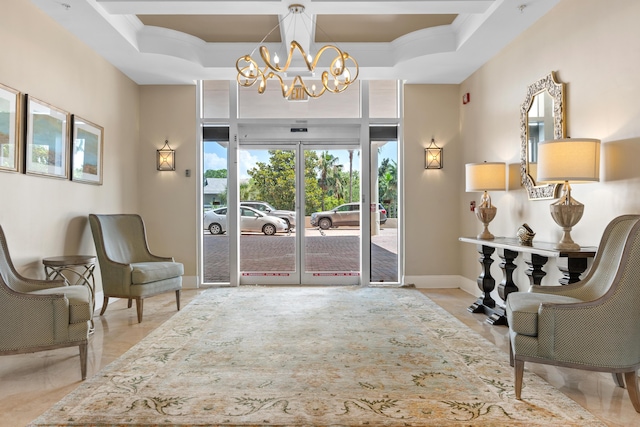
(292, 356)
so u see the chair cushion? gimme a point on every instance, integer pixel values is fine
(522, 310)
(147, 272)
(80, 307)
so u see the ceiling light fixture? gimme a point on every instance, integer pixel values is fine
(336, 79)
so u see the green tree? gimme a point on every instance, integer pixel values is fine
(329, 177)
(388, 186)
(313, 192)
(215, 173)
(274, 182)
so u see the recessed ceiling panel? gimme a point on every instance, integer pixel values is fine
(373, 28)
(220, 28)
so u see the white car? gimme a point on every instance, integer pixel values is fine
(288, 216)
(250, 220)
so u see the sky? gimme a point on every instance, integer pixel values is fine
(215, 157)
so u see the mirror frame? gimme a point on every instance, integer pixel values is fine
(556, 91)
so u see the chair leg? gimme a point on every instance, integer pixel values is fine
(129, 303)
(519, 372)
(618, 378)
(105, 303)
(510, 355)
(139, 303)
(178, 299)
(83, 360)
(631, 378)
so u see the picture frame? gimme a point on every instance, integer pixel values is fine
(87, 141)
(10, 129)
(46, 139)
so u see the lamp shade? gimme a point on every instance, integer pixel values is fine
(569, 159)
(485, 176)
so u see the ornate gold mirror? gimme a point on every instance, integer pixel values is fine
(542, 117)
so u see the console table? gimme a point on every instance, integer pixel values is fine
(571, 263)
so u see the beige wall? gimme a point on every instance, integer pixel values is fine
(168, 198)
(47, 217)
(593, 47)
(432, 212)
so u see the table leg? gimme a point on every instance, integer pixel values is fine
(485, 281)
(508, 266)
(535, 271)
(571, 269)
(506, 286)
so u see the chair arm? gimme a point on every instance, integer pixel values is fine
(32, 319)
(116, 276)
(570, 290)
(158, 258)
(23, 284)
(587, 332)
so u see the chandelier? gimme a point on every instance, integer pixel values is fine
(343, 69)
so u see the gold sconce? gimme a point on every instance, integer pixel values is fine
(166, 158)
(433, 156)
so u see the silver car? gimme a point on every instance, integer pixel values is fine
(347, 214)
(251, 220)
(288, 216)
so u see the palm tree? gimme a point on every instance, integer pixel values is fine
(350, 176)
(389, 186)
(329, 177)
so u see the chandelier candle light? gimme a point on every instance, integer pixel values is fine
(484, 177)
(335, 80)
(561, 161)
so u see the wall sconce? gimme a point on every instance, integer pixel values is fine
(166, 158)
(433, 156)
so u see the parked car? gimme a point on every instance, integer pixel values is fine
(288, 216)
(347, 214)
(383, 213)
(250, 220)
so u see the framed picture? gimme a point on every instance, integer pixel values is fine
(86, 151)
(47, 139)
(9, 129)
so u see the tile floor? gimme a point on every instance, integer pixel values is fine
(30, 384)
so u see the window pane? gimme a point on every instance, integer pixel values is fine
(215, 94)
(384, 213)
(215, 240)
(383, 98)
(271, 104)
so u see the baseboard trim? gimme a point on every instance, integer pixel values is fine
(443, 282)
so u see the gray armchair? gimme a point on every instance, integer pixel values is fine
(38, 315)
(593, 324)
(127, 268)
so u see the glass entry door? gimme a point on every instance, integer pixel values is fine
(299, 214)
(331, 237)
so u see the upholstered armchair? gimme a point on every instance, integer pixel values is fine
(127, 267)
(38, 315)
(593, 324)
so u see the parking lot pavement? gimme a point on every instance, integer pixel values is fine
(330, 250)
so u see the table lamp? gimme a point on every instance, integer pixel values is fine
(484, 177)
(561, 161)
